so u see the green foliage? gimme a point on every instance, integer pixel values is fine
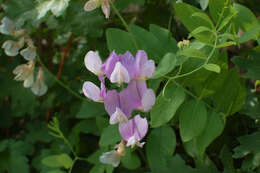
(166, 105)
(206, 82)
(160, 145)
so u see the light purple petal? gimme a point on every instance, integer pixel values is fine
(134, 93)
(120, 74)
(127, 129)
(111, 102)
(128, 62)
(148, 100)
(93, 63)
(103, 86)
(144, 68)
(109, 65)
(136, 127)
(141, 127)
(125, 103)
(148, 69)
(91, 91)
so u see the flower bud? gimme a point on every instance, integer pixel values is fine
(25, 73)
(39, 87)
(29, 53)
(7, 27)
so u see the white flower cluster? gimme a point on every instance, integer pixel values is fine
(23, 72)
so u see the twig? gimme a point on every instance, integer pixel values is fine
(64, 55)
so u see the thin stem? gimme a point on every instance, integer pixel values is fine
(60, 82)
(200, 67)
(124, 23)
(72, 165)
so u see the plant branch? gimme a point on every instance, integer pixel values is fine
(64, 55)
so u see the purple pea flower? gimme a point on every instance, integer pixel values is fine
(134, 131)
(117, 106)
(119, 68)
(139, 96)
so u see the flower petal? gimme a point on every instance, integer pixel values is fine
(111, 102)
(106, 8)
(91, 91)
(148, 100)
(109, 65)
(91, 5)
(11, 48)
(134, 130)
(111, 157)
(118, 117)
(128, 61)
(120, 74)
(29, 53)
(93, 63)
(141, 127)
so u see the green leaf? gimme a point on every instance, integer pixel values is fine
(229, 96)
(166, 65)
(194, 53)
(58, 161)
(110, 136)
(90, 109)
(251, 65)
(177, 164)
(166, 41)
(120, 41)
(251, 34)
(166, 105)
(226, 44)
(130, 160)
(214, 127)
(199, 30)
(147, 41)
(204, 17)
(192, 23)
(212, 67)
(160, 145)
(227, 19)
(216, 8)
(98, 168)
(245, 18)
(193, 118)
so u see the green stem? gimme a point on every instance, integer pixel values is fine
(124, 23)
(73, 163)
(60, 82)
(200, 67)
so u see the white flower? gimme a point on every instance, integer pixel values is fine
(39, 88)
(29, 53)
(113, 157)
(12, 47)
(24, 73)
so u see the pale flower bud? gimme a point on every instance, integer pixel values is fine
(12, 47)
(7, 27)
(29, 53)
(39, 88)
(24, 73)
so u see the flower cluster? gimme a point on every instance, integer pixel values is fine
(120, 69)
(23, 72)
